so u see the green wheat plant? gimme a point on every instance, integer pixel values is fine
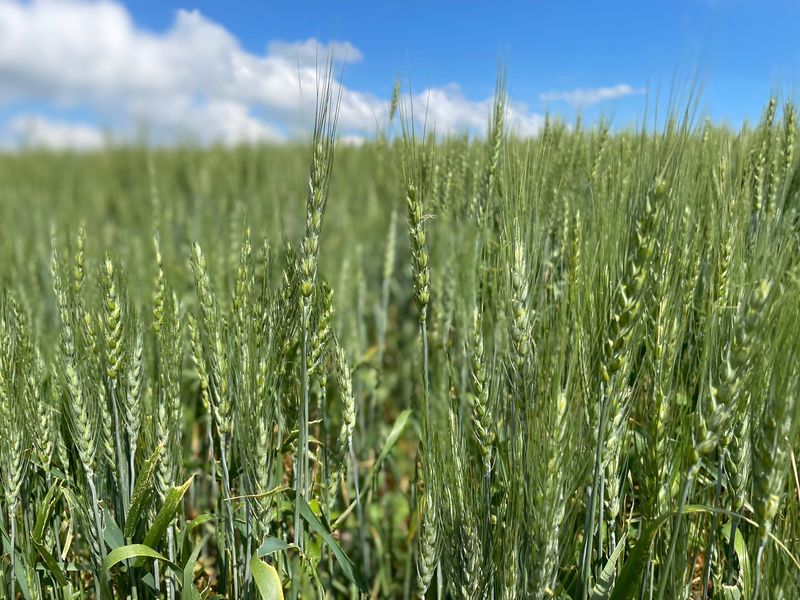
(445, 365)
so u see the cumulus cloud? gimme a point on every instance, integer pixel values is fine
(447, 111)
(193, 80)
(583, 97)
(36, 131)
(312, 52)
(352, 139)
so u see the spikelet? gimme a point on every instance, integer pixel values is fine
(395, 100)
(723, 273)
(12, 450)
(243, 288)
(168, 421)
(496, 128)
(473, 576)
(770, 459)
(521, 319)
(600, 153)
(724, 395)
(427, 551)
(554, 505)
(738, 454)
(616, 346)
(198, 360)
(219, 383)
(482, 423)
(419, 252)
(111, 321)
(628, 299)
(322, 332)
(510, 575)
(789, 138)
(345, 440)
(78, 270)
(389, 254)
(41, 422)
(81, 417)
(772, 443)
(159, 294)
(759, 169)
(262, 460)
(133, 394)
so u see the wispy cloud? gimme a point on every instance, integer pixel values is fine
(194, 80)
(583, 97)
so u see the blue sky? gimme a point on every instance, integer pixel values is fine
(742, 49)
(74, 71)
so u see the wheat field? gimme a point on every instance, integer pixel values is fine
(425, 367)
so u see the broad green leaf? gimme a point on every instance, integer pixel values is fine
(50, 562)
(394, 435)
(730, 592)
(272, 545)
(172, 503)
(630, 576)
(189, 592)
(133, 551)
(740, 547)
(142, 492)
(397, 429)
(22, 578)
(289, 440)
(111, 532)
(183, 536)
(37, 535)
(348, 567)
(267, 580)
(43, 516)
(602, 587)
(19, 567)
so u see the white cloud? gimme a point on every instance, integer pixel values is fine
(193, 80)
(36, 131)
(352, 139)
(583, 97)
(523, 122)
(311, 52)
(446, 110)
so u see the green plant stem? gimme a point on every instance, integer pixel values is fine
(301, 462)
(362, 525)
(96, 511)
(673, 542)
(757, 574)
(731, 546)
(157, 576)
(712, 534)
(13, 527)
(171, 556)
(121, 462)
(425, 378)
(226, 488)
(586, 561)
(249, 550)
